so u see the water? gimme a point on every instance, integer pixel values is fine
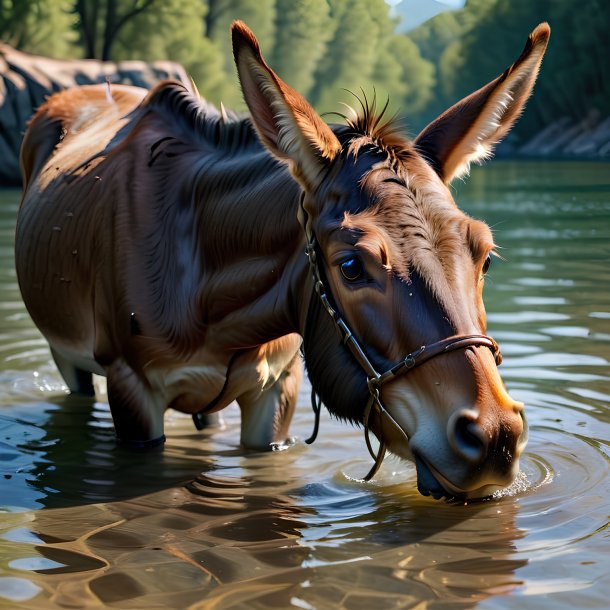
(204, 525)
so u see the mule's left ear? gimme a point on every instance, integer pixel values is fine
(470, 129)
(287, 125)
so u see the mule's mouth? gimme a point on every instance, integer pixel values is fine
(431, 482)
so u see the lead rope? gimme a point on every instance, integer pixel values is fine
(380, 455)
(316, 405)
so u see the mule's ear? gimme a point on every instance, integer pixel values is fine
(470, 129)
(287, 125)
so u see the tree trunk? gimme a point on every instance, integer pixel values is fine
(88, 12)
(109, 29)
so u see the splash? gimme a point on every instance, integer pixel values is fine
(522, 483)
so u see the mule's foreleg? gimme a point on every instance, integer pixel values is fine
(266, 415)
(136, 412)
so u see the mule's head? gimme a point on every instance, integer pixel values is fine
(404, 267)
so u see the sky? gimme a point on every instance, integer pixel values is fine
(453, 3)
(450, 3)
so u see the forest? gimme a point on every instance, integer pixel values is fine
(332, 50)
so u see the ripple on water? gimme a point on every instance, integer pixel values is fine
(298, 528)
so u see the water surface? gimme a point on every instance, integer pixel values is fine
(84, 523)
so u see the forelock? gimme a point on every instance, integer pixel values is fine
(371, 129)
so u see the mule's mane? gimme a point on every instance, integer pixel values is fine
(199, 119)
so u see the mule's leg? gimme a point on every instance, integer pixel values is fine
(137, 416)
(266, 416)
(210, 420)
(77, 380)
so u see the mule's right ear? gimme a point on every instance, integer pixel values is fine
(287, 125)
(470, 129)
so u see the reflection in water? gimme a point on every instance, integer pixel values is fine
(202, 525)
(242, 543)
(67, 454)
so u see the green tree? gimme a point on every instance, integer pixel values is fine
(487, 36)
(302, 30)
(418, 77)
(441, 41)
(259, 15)
(386, 78)
(101, 21)
(38, 26)
(174, 29)
(351, 55)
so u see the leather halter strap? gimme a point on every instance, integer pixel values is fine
(376, 380)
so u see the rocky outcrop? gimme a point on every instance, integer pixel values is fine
(588, 138)
(26, 80)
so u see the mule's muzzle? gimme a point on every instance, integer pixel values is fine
(480, 457)
(432, 482)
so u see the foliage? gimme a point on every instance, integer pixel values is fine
(38, 26)
(303, 29)
(174, 29)
(471, 46)
(100, 22)
(365, 57)
(329, 48)
(321, 47)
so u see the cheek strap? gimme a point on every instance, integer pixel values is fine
(376, 380)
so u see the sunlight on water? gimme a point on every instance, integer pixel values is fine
(201, 524)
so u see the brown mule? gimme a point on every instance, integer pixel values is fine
(162, 244)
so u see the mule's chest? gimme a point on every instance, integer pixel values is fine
(213, 379)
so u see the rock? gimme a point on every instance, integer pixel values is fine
(545, 141)
(27, 80)
(588, 138)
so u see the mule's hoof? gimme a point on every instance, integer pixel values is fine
(283, 445)
(142, 445)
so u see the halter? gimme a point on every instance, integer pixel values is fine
(376, 380)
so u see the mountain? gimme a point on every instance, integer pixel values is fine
(414, 12)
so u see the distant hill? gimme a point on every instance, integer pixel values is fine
(414, 12)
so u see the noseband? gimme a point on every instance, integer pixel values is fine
(376, 380)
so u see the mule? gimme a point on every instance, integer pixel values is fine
(189, 255)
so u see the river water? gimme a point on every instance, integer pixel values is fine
(84, 524)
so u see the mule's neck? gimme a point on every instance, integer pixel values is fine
(256, 284)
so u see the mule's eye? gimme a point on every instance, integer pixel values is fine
(487, 264)
(351, 269)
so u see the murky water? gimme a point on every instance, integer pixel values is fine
(84, 524)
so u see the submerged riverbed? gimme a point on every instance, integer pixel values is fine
(202, 524)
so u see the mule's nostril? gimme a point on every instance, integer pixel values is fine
(466, 437)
